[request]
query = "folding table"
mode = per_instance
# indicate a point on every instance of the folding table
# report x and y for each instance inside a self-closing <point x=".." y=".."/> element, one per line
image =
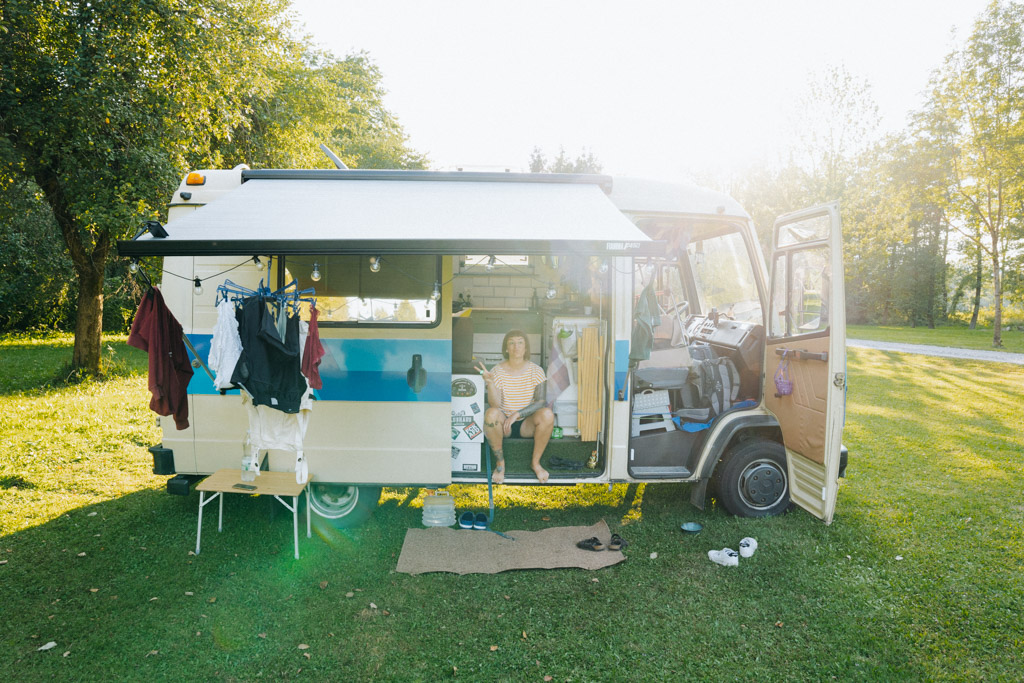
<point x="274" y="484"/>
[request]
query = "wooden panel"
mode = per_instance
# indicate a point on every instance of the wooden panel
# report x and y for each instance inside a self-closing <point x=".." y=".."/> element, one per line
<point x="591" y="369"/>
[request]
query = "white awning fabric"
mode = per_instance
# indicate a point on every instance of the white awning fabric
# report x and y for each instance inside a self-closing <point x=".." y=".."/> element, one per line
<point x="416" y="213"/>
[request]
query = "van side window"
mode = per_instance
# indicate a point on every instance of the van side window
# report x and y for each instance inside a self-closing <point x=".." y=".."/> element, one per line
<point x="360" y="290"/>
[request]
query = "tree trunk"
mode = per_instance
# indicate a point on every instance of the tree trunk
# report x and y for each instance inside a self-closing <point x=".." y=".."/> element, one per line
<point x="88" y="252"/>
<point x="977" y="290"/>
<point x="89" y="321"/>
<point x="997" y="293"/>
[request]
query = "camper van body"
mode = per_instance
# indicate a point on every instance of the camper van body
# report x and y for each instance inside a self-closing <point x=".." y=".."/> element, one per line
<point x="587" y="246"/>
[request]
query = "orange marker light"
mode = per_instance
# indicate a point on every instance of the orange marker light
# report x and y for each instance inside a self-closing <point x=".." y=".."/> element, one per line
<point x="194" y="178"/>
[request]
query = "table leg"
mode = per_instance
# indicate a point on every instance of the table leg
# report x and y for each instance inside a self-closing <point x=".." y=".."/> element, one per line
<point x="295" y="523"/>
<point x="199" y="531"/>
<point x="309" y="516"/>
<point x="220" y="515"/>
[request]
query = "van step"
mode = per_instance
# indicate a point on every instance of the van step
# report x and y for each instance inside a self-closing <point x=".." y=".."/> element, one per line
<point x="660" y="472"/>
<point x="181" y="484"/>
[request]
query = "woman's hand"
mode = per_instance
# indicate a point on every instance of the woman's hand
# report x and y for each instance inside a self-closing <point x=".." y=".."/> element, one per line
<point x="509" y="421"/>
<point x="487" y="375"/>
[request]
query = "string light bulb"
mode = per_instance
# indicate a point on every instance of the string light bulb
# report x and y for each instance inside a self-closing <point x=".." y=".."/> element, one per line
<point x="551" y="292"/>
<point x="490" y="264"/>
<point x="375" y="264"/>
<point x="315" y="275"/>
<point x="133" y="267"/>
<point x="436" y="294"/>
<point x="198" y="284"/>
<point x="258" y="262"/>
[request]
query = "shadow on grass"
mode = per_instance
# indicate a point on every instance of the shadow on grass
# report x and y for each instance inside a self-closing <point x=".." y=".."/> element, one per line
<point x="116" y="587"/>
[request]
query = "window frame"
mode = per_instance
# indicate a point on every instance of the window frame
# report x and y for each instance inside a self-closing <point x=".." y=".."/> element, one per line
<point x="281" y="263"/>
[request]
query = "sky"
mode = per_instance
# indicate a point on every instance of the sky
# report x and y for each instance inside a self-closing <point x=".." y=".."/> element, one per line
<point x="656" y="89"/>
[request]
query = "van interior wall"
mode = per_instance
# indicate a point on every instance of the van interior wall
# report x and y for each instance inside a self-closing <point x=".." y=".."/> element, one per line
<point x="508" y="287"/>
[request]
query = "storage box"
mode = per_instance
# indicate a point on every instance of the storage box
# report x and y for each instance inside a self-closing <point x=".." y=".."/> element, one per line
<point x="567" y="412"/>
<point x="466" y="457"/>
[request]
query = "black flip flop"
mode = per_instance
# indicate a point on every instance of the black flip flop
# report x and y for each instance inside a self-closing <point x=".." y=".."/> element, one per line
<point x="592" y="543"/>
<point x="617" y="543"/>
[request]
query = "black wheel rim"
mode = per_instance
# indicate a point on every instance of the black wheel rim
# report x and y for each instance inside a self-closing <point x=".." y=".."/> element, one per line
<point x="762" y="484"/>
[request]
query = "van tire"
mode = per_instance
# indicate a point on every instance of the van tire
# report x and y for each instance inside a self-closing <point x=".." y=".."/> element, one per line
<point x="343" y="505"/>
<point x="753" y="480"/>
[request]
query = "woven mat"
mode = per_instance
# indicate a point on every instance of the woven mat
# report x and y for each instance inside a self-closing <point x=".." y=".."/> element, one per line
<point x="466" y="551"/>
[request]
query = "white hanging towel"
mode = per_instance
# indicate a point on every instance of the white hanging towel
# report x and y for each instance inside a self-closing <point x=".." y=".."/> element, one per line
<point x="226" y="346"/>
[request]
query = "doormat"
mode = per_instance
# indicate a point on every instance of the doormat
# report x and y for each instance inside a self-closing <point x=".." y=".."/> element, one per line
<point x="467" y="551"/>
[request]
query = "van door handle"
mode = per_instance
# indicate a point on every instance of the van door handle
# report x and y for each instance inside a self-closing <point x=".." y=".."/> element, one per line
<point x="416" y="376"/>
<point x="797" y="354"/>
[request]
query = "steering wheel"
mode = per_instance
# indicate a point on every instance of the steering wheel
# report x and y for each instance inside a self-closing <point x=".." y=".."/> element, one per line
<point x="680" y="309"/>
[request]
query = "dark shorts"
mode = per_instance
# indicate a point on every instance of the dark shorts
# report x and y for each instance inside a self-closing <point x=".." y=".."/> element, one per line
<point x="514" y="434"/>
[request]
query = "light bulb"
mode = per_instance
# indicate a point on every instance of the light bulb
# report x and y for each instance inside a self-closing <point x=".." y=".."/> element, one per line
<point x="375" y="264"/>
<point x="133" y="267"/>
<point x="258" y="262"/>
<point x="198" y="291"/>
<point x="551" y="292"/>
<point x="603" y="268"/>
<point x="436" y="294"/>
<point x="315" y="275"/>
<point x="490" y="264"/>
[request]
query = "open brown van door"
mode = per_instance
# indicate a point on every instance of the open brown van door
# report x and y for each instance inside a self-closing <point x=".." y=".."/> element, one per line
<point x="805" y="353"/>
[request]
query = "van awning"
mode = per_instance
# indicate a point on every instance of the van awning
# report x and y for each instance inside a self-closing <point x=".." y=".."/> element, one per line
<point x="408" y="212"/>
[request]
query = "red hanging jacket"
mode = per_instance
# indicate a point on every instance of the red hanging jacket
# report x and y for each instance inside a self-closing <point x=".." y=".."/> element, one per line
<point x="157" y="332"/>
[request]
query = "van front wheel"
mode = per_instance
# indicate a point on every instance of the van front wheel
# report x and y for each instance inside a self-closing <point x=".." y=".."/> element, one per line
<point x="753" y="481"/>
<point x="343" y="505"/>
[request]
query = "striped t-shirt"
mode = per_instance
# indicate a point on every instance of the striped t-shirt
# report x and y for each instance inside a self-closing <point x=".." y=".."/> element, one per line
<point x="517" y="390"/>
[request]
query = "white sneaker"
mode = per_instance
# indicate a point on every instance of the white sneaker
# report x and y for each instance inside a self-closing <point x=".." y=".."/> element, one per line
<point x="747" y="546"/>
<point x="727" y="557"/>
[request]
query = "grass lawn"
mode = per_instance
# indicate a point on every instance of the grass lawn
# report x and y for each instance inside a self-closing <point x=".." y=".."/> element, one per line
<point x="920" y="577"/>
<point x="954" y="335"/>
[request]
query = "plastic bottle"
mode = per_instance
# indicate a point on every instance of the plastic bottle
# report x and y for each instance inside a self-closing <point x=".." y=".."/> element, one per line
<point x="249" y="464"/>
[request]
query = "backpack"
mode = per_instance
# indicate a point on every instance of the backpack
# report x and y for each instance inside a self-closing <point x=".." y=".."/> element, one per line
<point x="716" y="382"/>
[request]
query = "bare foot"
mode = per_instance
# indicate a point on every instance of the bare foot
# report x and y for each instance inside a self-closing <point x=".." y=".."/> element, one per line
<point x="542" y="474"/>
<point x="499" y="476"/>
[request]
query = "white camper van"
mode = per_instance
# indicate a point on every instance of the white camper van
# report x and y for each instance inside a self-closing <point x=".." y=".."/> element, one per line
<point x="679" y="359"/>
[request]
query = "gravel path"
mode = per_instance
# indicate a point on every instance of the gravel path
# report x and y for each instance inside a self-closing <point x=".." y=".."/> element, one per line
<point x="944" y="351"/>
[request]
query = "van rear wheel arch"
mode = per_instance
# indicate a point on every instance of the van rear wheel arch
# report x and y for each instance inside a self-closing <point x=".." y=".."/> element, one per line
<point x="343" y="505"/>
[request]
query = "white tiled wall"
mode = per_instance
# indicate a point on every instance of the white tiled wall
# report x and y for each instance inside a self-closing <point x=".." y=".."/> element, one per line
<point x="502" y="291"/>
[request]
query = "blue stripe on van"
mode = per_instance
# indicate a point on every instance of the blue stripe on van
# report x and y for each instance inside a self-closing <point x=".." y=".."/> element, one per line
<point x="621" y="369"/>
<point x="365" y="369"/>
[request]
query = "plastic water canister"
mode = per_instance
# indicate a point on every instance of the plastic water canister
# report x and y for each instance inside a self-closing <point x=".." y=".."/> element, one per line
<point x="439" y="509"/>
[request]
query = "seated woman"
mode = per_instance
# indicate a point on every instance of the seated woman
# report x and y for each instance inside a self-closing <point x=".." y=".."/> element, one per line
<point x="516" y="403"/>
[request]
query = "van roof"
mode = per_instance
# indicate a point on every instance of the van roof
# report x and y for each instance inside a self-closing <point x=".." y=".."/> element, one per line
<point x="386" y="212"/>
<point x="643" y="195"/>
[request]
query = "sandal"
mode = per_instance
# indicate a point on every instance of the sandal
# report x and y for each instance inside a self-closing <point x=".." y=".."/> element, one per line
<point x="592" y="543"/>
<point x="618" y="543"/>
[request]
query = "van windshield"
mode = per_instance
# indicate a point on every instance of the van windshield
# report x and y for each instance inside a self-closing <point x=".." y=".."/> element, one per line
<point x="723" y="273"/>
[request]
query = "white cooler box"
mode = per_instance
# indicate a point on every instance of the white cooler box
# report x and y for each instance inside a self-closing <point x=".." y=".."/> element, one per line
<point x="467" y="422"/>
<point x="466" y="457"/>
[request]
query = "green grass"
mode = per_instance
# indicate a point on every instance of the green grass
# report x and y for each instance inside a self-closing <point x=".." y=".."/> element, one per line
<point x="934" y="478"/>
<point x="954" y="335"/>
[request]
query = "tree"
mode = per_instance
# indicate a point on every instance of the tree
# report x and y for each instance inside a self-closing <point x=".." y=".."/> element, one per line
<point x="977" y="109"/>
<point x="836" y="120"/>
<point x="103" y="106"/>
<point x="585" y="162"/>
<point x="102" y="103"/>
